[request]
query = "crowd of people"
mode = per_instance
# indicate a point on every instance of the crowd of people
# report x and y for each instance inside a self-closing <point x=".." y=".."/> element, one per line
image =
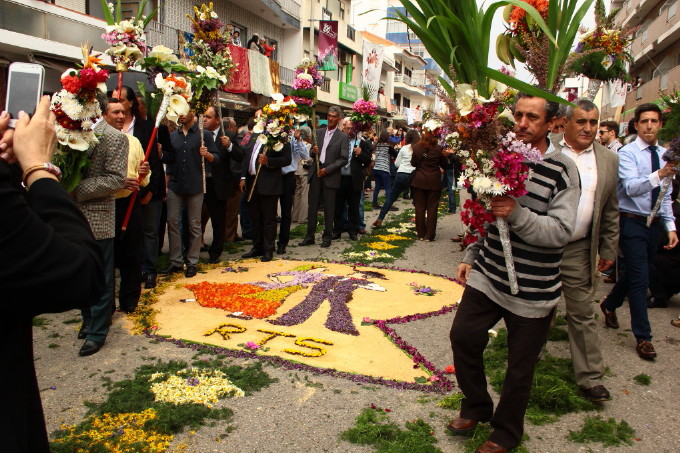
<point x="585" y="213"/>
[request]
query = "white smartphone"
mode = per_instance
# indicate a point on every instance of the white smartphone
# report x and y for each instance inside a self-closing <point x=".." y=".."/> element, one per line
<point x="24" y="88"/>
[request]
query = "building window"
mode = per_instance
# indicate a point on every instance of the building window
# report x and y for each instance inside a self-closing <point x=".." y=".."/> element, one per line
<point x="408" y="72"/>
<point x="407" y="102"/>
<point x="242" y="32"/>
<point x="671" y="11"/>
<point x="397" y="64"/>
<point x="326" y="15"/>
<point x="397" y="99"/>
<point x="342" y="11"/>
<point x="351" y="33"/>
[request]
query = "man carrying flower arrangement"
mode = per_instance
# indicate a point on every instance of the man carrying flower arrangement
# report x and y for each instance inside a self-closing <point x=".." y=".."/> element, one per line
<point x="541" y="223"/>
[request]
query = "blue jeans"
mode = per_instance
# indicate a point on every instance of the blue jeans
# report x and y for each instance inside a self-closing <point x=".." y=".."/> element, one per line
<point x="400" y="185"/>
<point x="638" y="244"/>
<point x="362" y="223"/>
<point x="151" y="218"/>
<point x="447" y="182"/>
<point x="382" y="181"/>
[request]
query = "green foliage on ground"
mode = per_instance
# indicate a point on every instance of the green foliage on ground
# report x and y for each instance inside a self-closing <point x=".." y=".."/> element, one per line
<point x="643" y="379"/>
<point x="480" y="434"/>
<point x="452" y="402"/>
<point x="374" y="427"/>
<point x="607" y="432"/>
<point x="39" y="322"/>
<point x="555" y="334"/>
<point x="554" y="391"/>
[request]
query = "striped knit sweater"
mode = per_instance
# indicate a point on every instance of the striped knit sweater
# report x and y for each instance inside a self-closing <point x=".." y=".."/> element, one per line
<point x="540" y="226"/>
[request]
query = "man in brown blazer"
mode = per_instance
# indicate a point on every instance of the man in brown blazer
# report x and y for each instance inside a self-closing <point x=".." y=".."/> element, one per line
<point x="95" y="197"/>
<point x="596" y="233"/>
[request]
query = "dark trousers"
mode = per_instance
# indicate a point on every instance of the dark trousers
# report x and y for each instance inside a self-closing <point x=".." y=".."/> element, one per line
<point x="316" y="193"/>
<point x="98" y="316"/>
<point x="151" y="218"/>
<point x="425" y="202"/>
<point x="400" y="185"/>
<point x="638" y="244"/>
<point x="218" y="217"/>
<point x="128" y="251"/>
<point x="262" y="210"/>
<point x="286" y="203"/>
<point x="231" y="228"/>
<point x="469" y="336"/>
<point x="448" y="181"/>
<point x="382" y="181"/>
<point x="246" y="221"/>
<point x="347" y="198"/>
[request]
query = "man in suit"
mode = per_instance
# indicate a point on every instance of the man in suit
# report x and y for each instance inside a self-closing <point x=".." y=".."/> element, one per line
<point x="332" y="156"/>
<point x="266" y="193"/>
<point x="596" y="233"/>
<point x="233" y="169"/>
<point x="300" y="151"/>
<point x="95" y="197"/>
<point x="351" y="184"/>
<point x="641" y="169"/>
<point x="219" y="182"/>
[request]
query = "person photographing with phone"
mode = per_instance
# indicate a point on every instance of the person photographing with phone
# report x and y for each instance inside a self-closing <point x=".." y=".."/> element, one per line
<point x="51" y="263"/>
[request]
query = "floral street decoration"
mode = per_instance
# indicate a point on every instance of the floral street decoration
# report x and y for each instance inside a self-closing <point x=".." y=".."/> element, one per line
<point x="275" y="125"/>
<point x="211" y="59"/>
<point x="307" y="80"/>
<point x="160" y="60"/>
<point x="199" y="386"/>
<point x="602" y="53"/>
<point x="76" y="109"/>
<point x="122" y="432"/>
<point x="422" y="290"/>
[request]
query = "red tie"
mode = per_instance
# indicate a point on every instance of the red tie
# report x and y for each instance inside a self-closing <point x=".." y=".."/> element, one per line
<point x="246" y="139"/>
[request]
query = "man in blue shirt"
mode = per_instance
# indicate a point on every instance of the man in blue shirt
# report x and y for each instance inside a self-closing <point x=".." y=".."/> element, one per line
<point x="640" y="175"/>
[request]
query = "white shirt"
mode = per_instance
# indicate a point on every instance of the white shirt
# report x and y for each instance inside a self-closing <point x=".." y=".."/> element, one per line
<point x="326" y="141"/>
<point x="253" y="158"/>
<point x="587" y="169"/>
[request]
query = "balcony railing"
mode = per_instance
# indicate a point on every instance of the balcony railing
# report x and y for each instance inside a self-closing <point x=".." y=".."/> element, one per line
<point x="326" y="86"/>
<point x="286" y="75"/>
<point x="161" y="34"/>
<point x="403" y="78"/>
<point x="291" y="7"/>
<point x="655" y="29"/>
<point x="351" y="33"/>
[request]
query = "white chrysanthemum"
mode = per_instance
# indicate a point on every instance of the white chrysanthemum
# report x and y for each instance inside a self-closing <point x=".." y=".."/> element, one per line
<point x="497" y="188"/>
<point x="305" y="76"/>
<point x="163" y="54"/>
<point x="481" y="185"/>
<point x="431" y="125"/>
<point x="200" y="69"/>
<point x="211" y="72"/>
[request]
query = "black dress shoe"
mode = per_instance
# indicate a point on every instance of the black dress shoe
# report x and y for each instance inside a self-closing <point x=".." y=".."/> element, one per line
<point x="238" y="239"/>
<point x="326" y="244"/>
<point x="353" y="237"/>
<point x="90" y="347"/>
<point x="596" y="394"/>
<point x="653" y="302"/>
<point x="82" y="333"/>
<point x="172" y="269"/>
<point x="190" y="272"/>
<point x="281" y="249"/>
<point x="150" y="281"/>
<point x="336" y="235"/>
<point x="267" y="256"/>
<point x="362" y="231"/>
<point x="252" y="254"/>
<point x="214" y="260"/>
<point x="307" y="241"/>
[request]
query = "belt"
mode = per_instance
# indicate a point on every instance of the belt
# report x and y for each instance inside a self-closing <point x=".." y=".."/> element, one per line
<point x="638" y="217"/>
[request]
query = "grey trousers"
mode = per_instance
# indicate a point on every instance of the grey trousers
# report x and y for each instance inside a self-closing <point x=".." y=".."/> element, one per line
<point x="578" y="288"/>
<point x="193" y="203"/>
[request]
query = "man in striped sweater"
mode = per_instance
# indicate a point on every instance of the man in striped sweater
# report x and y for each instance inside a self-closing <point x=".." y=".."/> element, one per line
<point x="541" y="224"/>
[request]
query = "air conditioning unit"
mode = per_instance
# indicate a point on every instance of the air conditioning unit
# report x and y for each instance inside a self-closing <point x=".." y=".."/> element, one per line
<point x="345" y="57"/>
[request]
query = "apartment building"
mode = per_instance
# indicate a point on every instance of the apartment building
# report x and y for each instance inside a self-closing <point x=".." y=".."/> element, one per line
<point x="655" y="50"/>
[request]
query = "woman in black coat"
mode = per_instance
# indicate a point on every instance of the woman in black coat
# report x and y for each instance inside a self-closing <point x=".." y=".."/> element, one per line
<point x="50" y="263"/>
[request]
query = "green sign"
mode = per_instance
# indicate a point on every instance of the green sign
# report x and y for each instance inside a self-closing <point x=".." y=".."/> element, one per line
<point x="348" y="92"/>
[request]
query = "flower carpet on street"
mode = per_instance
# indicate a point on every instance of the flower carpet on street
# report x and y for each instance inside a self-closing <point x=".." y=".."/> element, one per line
<point x="330" y="318"/>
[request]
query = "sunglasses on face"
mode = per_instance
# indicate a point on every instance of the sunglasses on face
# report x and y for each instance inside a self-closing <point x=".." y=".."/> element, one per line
<point x="601" y="132"/>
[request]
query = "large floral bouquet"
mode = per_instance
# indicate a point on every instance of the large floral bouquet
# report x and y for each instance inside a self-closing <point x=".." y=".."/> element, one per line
<point x="276" y="122"/>
<point x="307" y="80"/>
<point x="364" y="115"/>
<point x="210" y="58"/>
<point x="178" y="92"/>
<point x="76" y="109"/>
<point x="126" y="37"/>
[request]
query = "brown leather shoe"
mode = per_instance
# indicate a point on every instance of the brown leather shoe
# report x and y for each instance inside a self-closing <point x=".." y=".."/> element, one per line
<point x="596" y="394"/>
<point x="460" y="425"/>
<point x="675" y="323"/>
<point x="491" y="447"/>
<point x="645" y="350"/>
<point x="610" y="319"/>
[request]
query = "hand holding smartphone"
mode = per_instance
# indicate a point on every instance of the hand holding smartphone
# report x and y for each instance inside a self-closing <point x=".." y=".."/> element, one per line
<point x="24" y="88"/>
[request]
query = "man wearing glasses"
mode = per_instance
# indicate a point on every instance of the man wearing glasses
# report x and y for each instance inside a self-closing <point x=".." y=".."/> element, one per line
<point x="607" y="135"/>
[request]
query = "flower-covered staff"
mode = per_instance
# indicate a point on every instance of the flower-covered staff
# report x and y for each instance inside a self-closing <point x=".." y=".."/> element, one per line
<point x="275" y="127"/>
<point x="176" y="91"/>
<point x="76" y="110"/>
<point x="126" y="37"/>
<point x="160" y="61"/>
<point x="307" y="80"/>
<point x="671" y="155"/>
<point x="364" y="113"/>
<point x="211" y="61"/>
